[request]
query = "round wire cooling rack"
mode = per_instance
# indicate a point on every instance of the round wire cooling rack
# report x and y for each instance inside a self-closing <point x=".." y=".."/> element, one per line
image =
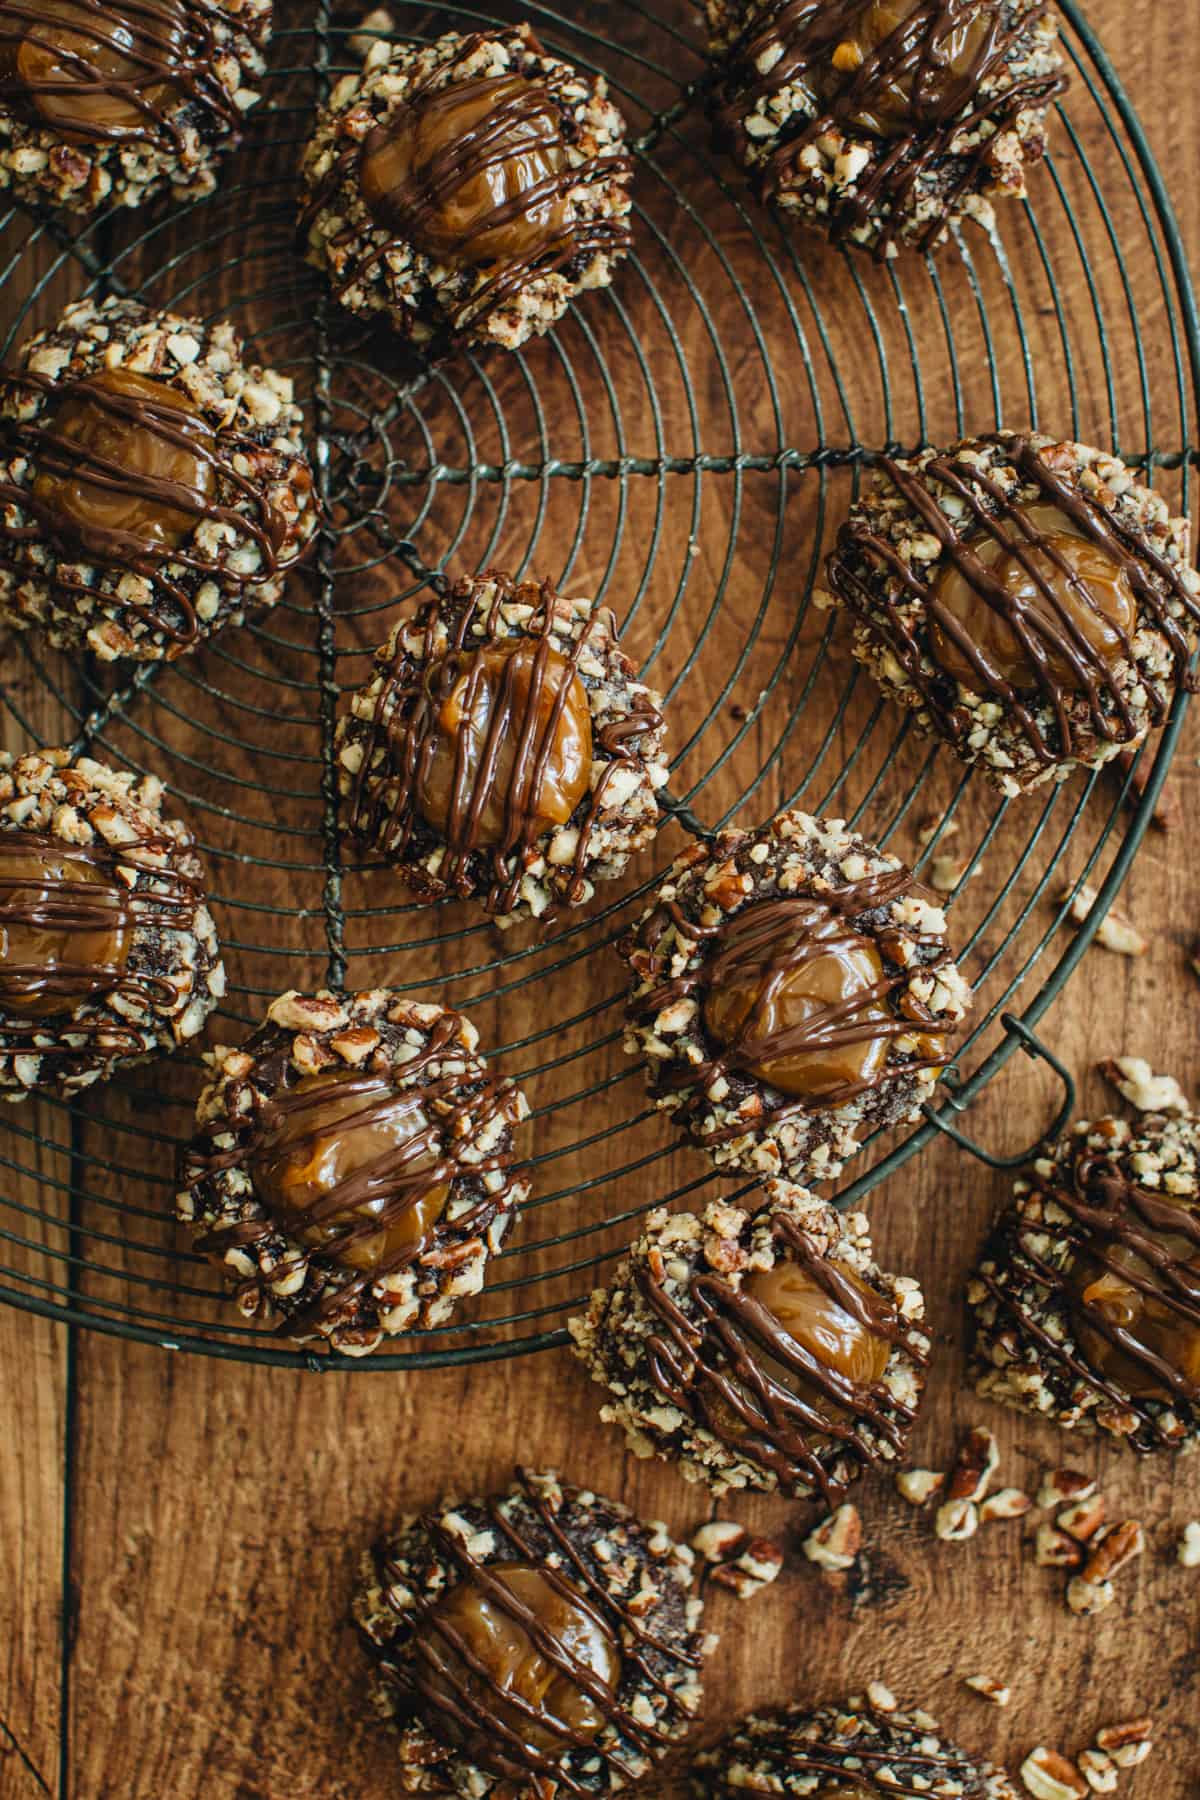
<point x="681" y="448"/>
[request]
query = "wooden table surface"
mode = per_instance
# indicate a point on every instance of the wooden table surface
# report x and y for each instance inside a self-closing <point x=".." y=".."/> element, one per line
<point x="178" y="1535"/>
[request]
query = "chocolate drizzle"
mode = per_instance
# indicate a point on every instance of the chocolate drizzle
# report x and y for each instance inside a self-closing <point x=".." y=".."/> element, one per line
<point x="481" y="1708"/>
<point x="913" y="1772"/>
<point x="916" y="92"/>
<point x="98" y="906"/>
<point x="372" y="1200"/>
<point x="103" y="73"/>
<point x="517" y="237"/>
<point x="407" y="723"/>
<point x="759" y="948"/>
<point x="712" y="1368"/>
<point x="1068" y="665"/>
<point x="117" y="518"/>
<point x="1124" y="1228"/>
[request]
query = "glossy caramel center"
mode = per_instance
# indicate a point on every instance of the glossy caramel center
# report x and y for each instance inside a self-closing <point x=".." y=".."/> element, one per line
<point x="900" y="88"/>
<point x="93" y="69"/>
<point x="511" y="751"/>
<point x="1108" y="1300"/>
<point x="124" y="463"/>
<point x="470" y="1626"/>
<point x="786" y="991"/>
<point x="65" y="926"/>
<point x="343" y="1161"/>
<point x="471" y="173"/>
<point x="1092" y="599"/>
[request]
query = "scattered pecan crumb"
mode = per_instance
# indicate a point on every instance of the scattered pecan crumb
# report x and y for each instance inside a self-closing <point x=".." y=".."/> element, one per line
<point x="1005" y="1503"/>
<point x="837" y="1540"/>
<point x="1049" y="1776"/>
<point x="1137" y="1083"/>
<point x="1098" y="1770"/>
<point x="1055" y="1549"/>
<point x="1188" y="1549"/>
<point x="919" y="1485"/>
<point x="977" y="1461"/>
<point x="995" y="1691"/>
<point x="1127" y="1734"/>
<point x="956" y="1521"/>
<point x="756" y="1567"/>
<point x="881" y="1697"/>
<point x="1082" y="1520"/>
<point x="1062" y="1485"/>
<point x="1115" y="931"/>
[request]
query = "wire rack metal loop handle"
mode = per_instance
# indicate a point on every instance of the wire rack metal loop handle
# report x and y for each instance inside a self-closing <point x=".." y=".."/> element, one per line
<point x="1034" y="1048"/>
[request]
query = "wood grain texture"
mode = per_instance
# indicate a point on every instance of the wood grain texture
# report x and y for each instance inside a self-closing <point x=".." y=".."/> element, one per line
<point x="216" y="1511"/>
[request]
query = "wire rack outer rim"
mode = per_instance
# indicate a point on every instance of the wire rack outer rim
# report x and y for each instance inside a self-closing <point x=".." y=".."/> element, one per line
<point x="1020" y="1035"/>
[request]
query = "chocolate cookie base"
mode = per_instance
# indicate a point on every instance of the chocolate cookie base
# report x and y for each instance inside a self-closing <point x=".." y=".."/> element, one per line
<point x="621" y="1340"/>
<point x="431" y="302"/>
<point x="1025" y="1352"/>
<point x="633" y="1573"/>
<point x="891" y="626"/>
<point x="986" y="153"/>
<point x="796" y="1751"/>
<point x="116" y="611"/>
<point x="741" y="1120"/>
<point x="274" y="1276"/>
<point x="615" y="818"/>
<point x="37" y="166"/>
<point x="173" y="976"/>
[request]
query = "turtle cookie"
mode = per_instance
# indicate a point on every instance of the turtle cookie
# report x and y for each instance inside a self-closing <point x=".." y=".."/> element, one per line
<point x="543" y="1641"/>
<point x="794" y="990"/>
<point x="154" y="486"/>
<point x="1026" y="599"/>
<point x="860" y="1751"/>
<point x="108" y="954"/>
<point x="467" y="190"/>
<point x="111" y="101"/>
<point x="881" y="122"/>
<point x="352" y="1170"/>
<point x="503" y="750"/>
<point x="764" y="1351"/>
<point x="1086" y="1302"/>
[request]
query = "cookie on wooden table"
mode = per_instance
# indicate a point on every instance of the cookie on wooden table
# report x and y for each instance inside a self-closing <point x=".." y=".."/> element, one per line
<point x="794" y="991"/>
<point x="542" y="1641"/>
<point x="1086" y="1302"/>
<point x="1030" y="601"/>
<point x="859" y="1751"/>
<point x="352" y="1170"/>
<point x="108" y="953"/>
<point x="467" y="190"/>
<point x="154" y="486"/>
<point x="763" y="1350"/>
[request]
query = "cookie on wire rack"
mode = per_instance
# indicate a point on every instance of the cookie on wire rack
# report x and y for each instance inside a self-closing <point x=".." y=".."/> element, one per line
<point x="1028" y="600"/>
<point x="794" y="989"/>
<point x="467" y="190"/>
<point x="112" y="101"/>
<point x="352" y="1170"/>
<point x="539" y="1642"/>
<point x="108" y="953"/>
<point x="1086" y="1301"/>
<point x="881" y="124"/>
<point x="764" y="1350"/>
<point x="503" y="750"/>
<point x="154" y="486"/>
<point x="864" y="1750"/>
